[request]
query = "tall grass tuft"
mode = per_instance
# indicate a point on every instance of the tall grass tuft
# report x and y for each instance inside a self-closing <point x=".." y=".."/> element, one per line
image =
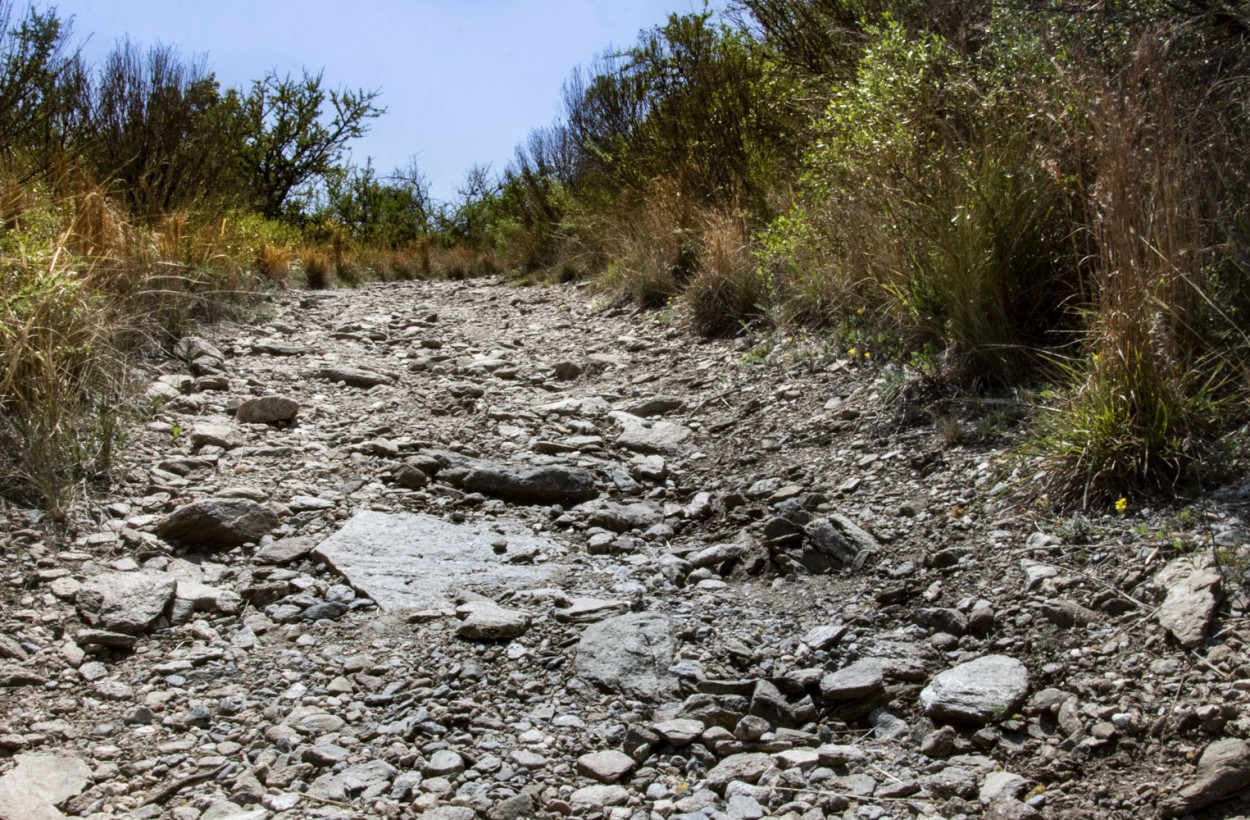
<point x="651" y="240"/>
<point x="1144" y="398"/>
<point x="726" y="293"/>
<point x="62" y="376"/>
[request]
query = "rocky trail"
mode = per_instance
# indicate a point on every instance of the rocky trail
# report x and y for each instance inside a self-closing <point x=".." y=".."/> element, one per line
<point x="460" y="550"/>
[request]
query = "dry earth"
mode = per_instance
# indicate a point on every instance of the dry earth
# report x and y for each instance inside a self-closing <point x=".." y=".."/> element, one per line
<point x="505" y="553"/>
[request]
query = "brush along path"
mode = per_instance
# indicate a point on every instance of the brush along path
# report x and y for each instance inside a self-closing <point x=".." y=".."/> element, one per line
<point x="688" y="580"/>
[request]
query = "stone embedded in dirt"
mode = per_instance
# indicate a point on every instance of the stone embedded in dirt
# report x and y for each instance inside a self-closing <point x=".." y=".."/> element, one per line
<point x="39" y="783"/>
<point x="655" y="406"/>
<point x="592" y="799"/>
<point x="494" y="624"/>
<point x="531" y="485"/>
<point x="284" y="550"/>
<point x="606" y="766"/>
<point x="859" y="680"/>
<point x="567" y="370"/>
<point x="128" y="602"/>
<point x="680" y="731"/>
<point x="278" y="347"/>
<point x="629" y="655"/>
<point x="1193" y="593"/>
<point x="589" y="610"/>
<point x="267" y="410"/>
<point x="987" y="689"/>
<point x="407" y="561"/>
<point x="1223" y="771"/>
<point x="998" y="785"/>
<point x="1067" y="614"/>
<point x="354" y="376"/>
<point x="832" y="543"/>
<point x="747" y="767"/>
<point x="13" y="676"/>
<point x="641" y="436"/>
<point x="1036" y="572"/>
<point x="210" y="434"/>
<point x="218" y="522"/>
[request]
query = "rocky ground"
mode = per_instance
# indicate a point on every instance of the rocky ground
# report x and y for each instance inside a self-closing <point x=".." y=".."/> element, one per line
<point x="458" y="550"/>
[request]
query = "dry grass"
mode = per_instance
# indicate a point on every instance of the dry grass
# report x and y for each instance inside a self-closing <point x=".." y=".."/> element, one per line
<point x="727" y="292"/>
<point x="651" y="240"/>
<point x="81" y="291"/>
<point x="1144" y="398"/>
<point x="318" y="269"/>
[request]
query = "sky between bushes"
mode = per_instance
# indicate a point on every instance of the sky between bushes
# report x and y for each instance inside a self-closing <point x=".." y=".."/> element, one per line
<point x="463" y="81"/>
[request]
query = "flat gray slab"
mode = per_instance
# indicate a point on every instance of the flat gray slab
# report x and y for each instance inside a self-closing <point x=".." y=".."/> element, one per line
<point x="410" y="561"/>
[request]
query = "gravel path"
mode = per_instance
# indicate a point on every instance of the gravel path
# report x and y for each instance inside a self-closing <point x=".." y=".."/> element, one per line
<point x="459" y="550"/>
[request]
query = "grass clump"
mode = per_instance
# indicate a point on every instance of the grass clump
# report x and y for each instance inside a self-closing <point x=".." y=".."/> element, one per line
<point x="62" y="376"/>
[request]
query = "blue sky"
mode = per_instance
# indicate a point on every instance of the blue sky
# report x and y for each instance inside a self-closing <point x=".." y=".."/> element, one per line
<point x="463" y="81"/>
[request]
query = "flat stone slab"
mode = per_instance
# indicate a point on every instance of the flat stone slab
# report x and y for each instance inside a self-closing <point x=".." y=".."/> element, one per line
<point x="411" y="561"/>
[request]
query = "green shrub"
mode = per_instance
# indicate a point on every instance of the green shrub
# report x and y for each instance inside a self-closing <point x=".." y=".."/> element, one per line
<point x="926" y="200"/>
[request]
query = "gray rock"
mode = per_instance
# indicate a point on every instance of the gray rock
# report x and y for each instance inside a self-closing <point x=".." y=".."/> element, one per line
<point x="284" y="550"/>
<point x="655" y="406"/>
<point x="218" y="522"/>
<point x="267" y="410"/>
<point x="191" y="348"/>
<point x="606" y="767"/>
<point x="494" y="624"/>
<point x="597" y="798"/>
<point x="1067" y="614"/>
<point x="832" y="543"/>
<point x="519" y="807"/>
<point x="128" y="602"/>
<point x="998" y="785"/>
<point x="408" y="561"/>
<point x="209" y="434"/>
<point x="747" y="767"/>
<point x="444" y="762"/>
<point x="1223" y="771"/>
<point x="629" y="655"/>
<point x="278" y="347"/>
<point x="532" y="485"/>
<point x="39" y="783"/>
<point x="1193" y="594"/>
<point x="861" y="679"/>
<point x="978" y="692"/>
<point x="680" y="731"/>
<point x="590" y="610"/>
<point x="449" y="813"/>
<point x="718" y="554"/>
<point x="660" y="437"/>
<point x="354" y="376"/>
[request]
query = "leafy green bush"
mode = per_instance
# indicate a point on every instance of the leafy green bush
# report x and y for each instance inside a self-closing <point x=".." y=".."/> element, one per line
<point x="926" y="199"/>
